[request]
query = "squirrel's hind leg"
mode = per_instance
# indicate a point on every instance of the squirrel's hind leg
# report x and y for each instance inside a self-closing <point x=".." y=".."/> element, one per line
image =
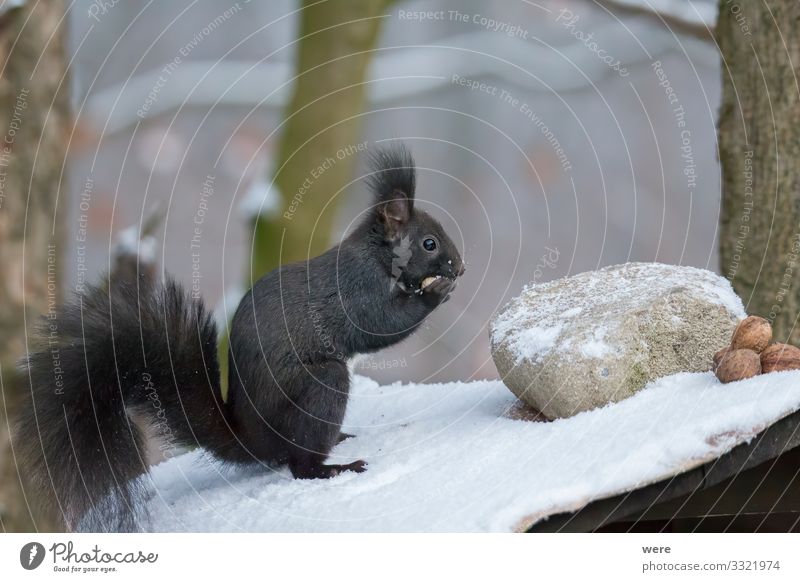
<point x="310" y="468"/>
<point x="317" y="427"/>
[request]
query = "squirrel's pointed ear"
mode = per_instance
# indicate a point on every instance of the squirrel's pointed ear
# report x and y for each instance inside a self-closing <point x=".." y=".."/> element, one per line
<point x="393" y="181"/>
<point x="394" y="214"/>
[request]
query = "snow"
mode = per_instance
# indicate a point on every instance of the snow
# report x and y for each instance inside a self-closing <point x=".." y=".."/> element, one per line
<point x="445" y="457"/>
<point x="596" y="347"/>
<point x="532" y="322"/>
<point x="261" y="199"/>
<point x="128" y="243"/>
<point x="534" y="343"/>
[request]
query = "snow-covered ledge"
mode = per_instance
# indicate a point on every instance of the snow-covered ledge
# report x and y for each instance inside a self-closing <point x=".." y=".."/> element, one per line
<point x="452" y="457"/>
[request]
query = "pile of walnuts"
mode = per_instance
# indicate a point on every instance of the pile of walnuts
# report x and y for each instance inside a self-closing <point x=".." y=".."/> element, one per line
<point x="751" y="353"/>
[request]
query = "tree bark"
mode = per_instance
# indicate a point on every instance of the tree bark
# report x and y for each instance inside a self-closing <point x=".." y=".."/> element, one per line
<point x="759" y="151"/>
<point x="34" y="119"/>
<point x="323" y="121"/>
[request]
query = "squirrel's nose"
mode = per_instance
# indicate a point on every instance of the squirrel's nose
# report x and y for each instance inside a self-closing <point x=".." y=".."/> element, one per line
<point x="462" y="269"/>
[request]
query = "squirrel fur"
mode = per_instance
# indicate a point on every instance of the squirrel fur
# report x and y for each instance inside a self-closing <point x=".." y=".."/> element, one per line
<point x="139" y="358"/>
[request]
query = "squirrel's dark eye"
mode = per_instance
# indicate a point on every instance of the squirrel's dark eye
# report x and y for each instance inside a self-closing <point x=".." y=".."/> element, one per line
<point x="429" y="245"/>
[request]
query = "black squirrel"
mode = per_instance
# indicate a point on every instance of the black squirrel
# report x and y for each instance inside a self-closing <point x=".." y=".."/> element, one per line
<point x="136" y="357"/>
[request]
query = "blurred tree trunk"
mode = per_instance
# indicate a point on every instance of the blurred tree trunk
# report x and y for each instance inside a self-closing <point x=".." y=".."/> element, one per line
<point x="759" y="150"/>
<point x="322" y="119"/>
<point x="34" y="117"/>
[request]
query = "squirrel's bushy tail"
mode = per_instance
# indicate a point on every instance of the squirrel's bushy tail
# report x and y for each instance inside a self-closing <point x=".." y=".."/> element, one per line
<point x="120" y="362"/>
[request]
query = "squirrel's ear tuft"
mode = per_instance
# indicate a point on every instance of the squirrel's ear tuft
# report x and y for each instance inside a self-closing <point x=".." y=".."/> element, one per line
<point x="392" y="169"/>
<point x="392" y="181"/>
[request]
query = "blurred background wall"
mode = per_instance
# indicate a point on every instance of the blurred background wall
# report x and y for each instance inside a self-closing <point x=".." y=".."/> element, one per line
<point x="545" y="151"/>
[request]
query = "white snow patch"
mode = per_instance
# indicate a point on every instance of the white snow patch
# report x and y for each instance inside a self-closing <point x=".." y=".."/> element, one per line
<point x="570" y="313"/>
<point x="261" y="199"/>
<point x="724" y="295"/>
<point x="542" y="308"/>
<point x="128" y="243"/>
<point x="443" y="458"/>
<point x="596" y="347"/>
<point x="534" y="343"/>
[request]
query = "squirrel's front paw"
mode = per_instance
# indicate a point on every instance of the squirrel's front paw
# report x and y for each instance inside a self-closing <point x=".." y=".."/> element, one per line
<point x="438" y="291"/>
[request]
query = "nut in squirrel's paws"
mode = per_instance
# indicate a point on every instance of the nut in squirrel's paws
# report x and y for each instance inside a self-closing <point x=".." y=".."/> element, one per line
<point x="427" y="281"/>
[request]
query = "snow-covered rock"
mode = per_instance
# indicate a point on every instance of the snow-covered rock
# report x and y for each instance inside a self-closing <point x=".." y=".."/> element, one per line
<point x="451" y="457"/>
<point x="580" y="342"/>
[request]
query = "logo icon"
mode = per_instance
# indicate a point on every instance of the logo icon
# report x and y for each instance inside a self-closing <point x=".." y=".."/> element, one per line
<point x="31" y="555"/>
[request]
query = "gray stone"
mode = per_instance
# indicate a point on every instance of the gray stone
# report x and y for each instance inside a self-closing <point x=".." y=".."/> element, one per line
<point x="598" y="337"/>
